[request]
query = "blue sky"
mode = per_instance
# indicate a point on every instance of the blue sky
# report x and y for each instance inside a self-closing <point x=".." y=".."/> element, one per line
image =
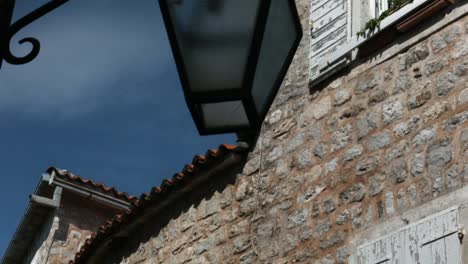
<point x="102" y="100"/>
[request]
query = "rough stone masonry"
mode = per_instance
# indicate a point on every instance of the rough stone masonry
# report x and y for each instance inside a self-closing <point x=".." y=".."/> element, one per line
<point x="386" y="137"/>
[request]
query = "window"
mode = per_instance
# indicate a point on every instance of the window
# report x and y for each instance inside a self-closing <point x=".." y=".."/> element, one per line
<point x="336" y="23"/>
<point x="431" y="240"/>
<point x="380" y="6"/>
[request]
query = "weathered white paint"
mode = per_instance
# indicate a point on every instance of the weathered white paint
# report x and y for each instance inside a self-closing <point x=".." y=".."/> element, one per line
<point x="453" y="251"/>
<point x="330" y="30"/>
<point x="432" y="240"/>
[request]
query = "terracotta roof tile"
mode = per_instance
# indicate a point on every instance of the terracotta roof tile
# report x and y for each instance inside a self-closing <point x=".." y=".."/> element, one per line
<point x="68" y="176"/>
<point x="157" y="194"/>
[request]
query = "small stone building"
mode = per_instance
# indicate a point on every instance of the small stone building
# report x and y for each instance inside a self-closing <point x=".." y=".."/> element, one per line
<point x="63" y="212"/>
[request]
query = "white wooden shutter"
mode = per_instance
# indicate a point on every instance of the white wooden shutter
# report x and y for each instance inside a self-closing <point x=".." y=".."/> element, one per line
<point x="378" y="252"/>
<point x="433" y="240"/>
<point x="438" y="240"/>
<point x="330" y="30"/>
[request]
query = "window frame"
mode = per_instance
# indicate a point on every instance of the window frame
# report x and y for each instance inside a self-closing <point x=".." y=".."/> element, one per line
<point x="347" y="53"/>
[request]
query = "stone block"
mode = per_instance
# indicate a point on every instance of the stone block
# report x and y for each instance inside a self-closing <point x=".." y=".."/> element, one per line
<point x="403" y="83"/>
<point x="326" y="260"/>
<point x="353" y="152"/>
<point x="342" y="255"/>
<point x="248" y="206"/>
<point x="283" y="130"/>
<point x="366" y="123"/>
<point x="248" y="258"/>
<point x="241" y="243"/>
<point x="329" y="205"/>
<point x="460" y="49"/>
<point x="342" y="96"/>
<point x="354" y="193"/>
<point x="417" y="164"/>
<point x="275" y="154"/>
<point x="295" y="142"/>
<point x="392" y="111"/>
<point x="398" y="172"/>
<point x="243" y="189"/>
<point x="398" y="150"/>
<point x="377" y="97"/>
<point x="412" y="195"/>
<point x="379" y="140"/>
<point x="453" y="178"/>
<point x="463" y="97"/>
<point x="321" y="229"/>
<point x="320" y="108"/>
<point x="401" y="200"/>
<point x="252" y="165"/>
<point x="297" y="218"/>
<point x="315" y="131"/>
<point x="434" y="66"/>
<point x="439" y="153"/>
<point x="377" y="184"/>
<point x="419" y="96"/>
<point x="304" y="159"/>
<point x="352" y="111"/>
<point x="239" y="228"/>
<point x="434" y="111"/>
<point x="389" y="204"/>
<point x="341" y="137"/>
<point x="275" y="117"/>
<point x="331" y="166"/>
<point x="321" y="150"/>
<point x="424" y="136"/>
<point x="445" y="82"/>
<point x="366" y="165"/>
<point x="334" y="239"/>
<point x="313" y="192"/>
<point x="455" y="121"/>
<point x="461" y="69"/>
<point x="343" y="217"/>
<point x="405" y="128"/>
<point x="356" y="219"/>
<point x="367" y="82"/>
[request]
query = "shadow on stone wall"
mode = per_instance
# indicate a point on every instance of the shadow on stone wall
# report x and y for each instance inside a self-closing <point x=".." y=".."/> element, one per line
<point x="122" y="247"/>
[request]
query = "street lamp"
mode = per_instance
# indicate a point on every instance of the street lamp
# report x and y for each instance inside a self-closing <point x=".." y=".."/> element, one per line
<point x="232" y="56"/>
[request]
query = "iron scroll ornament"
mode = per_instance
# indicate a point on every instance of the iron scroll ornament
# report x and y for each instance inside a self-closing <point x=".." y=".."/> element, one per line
<point x="8" y="30"/>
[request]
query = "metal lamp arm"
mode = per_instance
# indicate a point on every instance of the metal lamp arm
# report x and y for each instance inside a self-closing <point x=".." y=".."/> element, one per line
<point x="6" y="53"/>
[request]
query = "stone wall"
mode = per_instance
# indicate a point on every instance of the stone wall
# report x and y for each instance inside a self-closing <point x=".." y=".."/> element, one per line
<point x="67" y="228"/>
<point x="386" y="137"/>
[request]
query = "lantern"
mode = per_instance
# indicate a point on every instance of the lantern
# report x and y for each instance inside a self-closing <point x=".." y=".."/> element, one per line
<point x="232" y="56"/>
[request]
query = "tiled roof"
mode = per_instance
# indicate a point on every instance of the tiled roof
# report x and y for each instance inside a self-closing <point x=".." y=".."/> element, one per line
<point x="155" y="196"/>
<point x="68" y="176"/>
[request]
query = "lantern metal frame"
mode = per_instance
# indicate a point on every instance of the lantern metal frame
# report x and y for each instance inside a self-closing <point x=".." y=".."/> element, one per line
<point x="243" y="93"/>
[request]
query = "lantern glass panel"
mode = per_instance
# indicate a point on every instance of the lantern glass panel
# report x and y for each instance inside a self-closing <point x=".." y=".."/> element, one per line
<point x="214" y="38"/>
<point x="278" y="41"/>
<point x="225" y="114"/>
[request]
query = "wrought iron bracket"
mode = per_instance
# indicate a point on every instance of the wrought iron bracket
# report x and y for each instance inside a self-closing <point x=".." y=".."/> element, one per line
<point x="8" y="30"/>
